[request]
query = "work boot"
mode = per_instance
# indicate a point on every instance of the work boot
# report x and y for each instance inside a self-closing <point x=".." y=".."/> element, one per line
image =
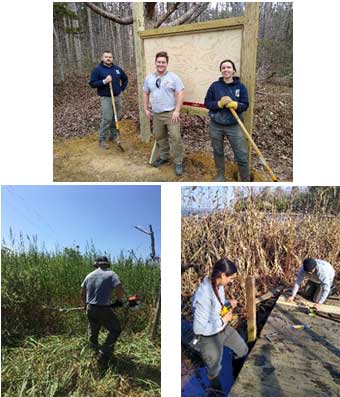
<point x="103" y="145"/>
<point x="244" y="173"/>
<point x="219" y="176"/>
<point x="113" y="138"/>
<point x="160" y="162"/>
<point x="179" y="169"/>
<point x="220" y="169"/>
<point x="102" y="363"/>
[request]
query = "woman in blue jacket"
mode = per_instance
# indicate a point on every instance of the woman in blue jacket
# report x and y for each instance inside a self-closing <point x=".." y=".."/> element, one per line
<point x="211" y="323"/>
<point x="224" y="94"/>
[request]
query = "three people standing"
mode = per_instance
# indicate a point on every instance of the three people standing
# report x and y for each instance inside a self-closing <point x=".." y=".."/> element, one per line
<point x="166" y="90"/>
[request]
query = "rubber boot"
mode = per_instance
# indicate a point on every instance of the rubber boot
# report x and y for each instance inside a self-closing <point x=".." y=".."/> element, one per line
<point x="244" y="173"/>
<point x="237" y="366"/>
<point x="220" y="169"/>
<point x="216" y="388"/>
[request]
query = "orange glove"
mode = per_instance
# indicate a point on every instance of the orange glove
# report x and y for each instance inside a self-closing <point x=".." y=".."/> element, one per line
<point x="232" y="105"/>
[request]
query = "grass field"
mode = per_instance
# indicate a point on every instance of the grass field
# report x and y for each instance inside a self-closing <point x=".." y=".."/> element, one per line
<point x="45" y="353"/>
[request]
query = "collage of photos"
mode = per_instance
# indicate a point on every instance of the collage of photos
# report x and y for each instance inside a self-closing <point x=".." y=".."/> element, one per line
<point x="171" y="146"/>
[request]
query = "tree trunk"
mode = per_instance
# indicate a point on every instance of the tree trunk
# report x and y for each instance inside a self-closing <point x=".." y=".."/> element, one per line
<point x="58" y="52"/>
<point x="67" y="42"/>
<point x="76" y="39"/>
<point x="89" y="19"/>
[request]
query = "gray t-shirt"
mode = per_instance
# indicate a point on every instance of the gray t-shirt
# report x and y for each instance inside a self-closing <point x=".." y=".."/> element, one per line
<point x="163" y="99"/>
<point x="99" y="285"/>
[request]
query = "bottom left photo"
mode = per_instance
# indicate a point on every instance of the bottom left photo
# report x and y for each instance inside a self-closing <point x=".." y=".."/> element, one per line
<point x="80" y="290"/>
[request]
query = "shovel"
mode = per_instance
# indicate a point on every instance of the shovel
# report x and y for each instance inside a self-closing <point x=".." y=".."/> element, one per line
<point x="257" y="150"/>
<point x="115" y="117"/>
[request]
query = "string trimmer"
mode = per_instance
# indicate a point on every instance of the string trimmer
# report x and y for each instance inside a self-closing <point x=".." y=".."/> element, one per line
<point x="133" y="302"/>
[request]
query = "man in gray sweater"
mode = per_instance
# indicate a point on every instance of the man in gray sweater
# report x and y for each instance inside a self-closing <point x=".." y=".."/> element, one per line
<point x="320" y="275"/>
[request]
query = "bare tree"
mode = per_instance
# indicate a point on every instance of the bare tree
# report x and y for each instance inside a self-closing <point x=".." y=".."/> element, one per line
<point x="152" y="19"/>
<point x="77" y="43"/>
<point x="89" y="18"/>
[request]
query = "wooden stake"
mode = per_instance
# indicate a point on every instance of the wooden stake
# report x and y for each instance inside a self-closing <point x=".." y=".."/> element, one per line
<point x="157" y="316"/>
<point x="154" y="153"/>
<point x="251" y="308"/>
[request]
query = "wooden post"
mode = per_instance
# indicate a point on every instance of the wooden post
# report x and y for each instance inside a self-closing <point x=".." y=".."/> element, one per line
<point x="248" y="62"/>
<point x="138" y="25"/>
<point x="251" y="308"/>
<point x="156" y="318"/>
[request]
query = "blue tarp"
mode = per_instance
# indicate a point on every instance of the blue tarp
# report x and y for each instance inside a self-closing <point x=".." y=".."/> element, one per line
<point x="198" y="384"/>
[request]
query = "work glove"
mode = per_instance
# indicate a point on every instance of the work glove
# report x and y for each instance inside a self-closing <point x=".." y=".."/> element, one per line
<point x="117" y="303"/>
<point x="223" y="101"/>
<point x="232" y="105"/>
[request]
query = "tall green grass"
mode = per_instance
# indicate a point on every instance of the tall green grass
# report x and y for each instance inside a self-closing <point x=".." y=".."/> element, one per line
<point x="32" y="280"/>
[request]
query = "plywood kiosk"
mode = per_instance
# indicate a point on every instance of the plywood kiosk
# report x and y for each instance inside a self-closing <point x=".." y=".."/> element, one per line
<point x="195" y="52"/>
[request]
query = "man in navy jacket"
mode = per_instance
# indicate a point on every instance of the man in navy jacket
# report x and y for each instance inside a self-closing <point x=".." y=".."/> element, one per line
<point x="101" y="76"/>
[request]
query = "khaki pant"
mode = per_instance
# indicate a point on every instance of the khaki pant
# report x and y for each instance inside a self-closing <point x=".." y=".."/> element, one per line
<point x="168" y="134"/>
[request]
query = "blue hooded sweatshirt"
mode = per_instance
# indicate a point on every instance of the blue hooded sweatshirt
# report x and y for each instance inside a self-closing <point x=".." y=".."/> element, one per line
<point x="236" y="91"/>
<point x="119" y="79"/>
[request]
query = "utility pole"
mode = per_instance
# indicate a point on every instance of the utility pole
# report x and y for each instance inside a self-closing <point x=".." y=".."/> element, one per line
<point x="157" y="313"/>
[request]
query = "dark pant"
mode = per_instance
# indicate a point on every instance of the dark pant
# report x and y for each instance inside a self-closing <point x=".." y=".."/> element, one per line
<point x="103" y="317"/>
<point x="312" y="291"/>
<point x="238" y="143"/>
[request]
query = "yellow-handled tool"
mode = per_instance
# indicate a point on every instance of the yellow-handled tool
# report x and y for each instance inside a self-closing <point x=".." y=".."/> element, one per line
<point x="257" y="150"/>
<point x="115" y="117"/>
<point x="225" y="309"/>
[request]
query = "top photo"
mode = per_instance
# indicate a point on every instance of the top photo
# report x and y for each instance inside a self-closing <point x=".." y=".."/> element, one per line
<point x="173" y="92"/>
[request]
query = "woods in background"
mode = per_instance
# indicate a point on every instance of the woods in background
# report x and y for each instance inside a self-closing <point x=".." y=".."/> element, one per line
<point x="82" y="31"/>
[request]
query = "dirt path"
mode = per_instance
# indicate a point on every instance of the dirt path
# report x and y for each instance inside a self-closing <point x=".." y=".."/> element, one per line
<point x="81" y="160"/>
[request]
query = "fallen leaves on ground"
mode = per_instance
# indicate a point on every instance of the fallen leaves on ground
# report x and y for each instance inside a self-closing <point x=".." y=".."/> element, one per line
<point x="77" y="114"/>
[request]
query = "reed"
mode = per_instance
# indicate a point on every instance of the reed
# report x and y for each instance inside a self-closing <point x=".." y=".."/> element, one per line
<point x="260" y="239"/>
<point x="32" y="280"/>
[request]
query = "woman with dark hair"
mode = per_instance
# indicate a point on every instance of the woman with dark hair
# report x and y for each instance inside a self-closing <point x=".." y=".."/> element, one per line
<point x="228" y="93"/>
<point x="211" y="324"/>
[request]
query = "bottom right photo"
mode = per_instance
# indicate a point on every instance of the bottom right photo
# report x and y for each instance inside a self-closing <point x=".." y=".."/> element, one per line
<point x="260" y="293"/>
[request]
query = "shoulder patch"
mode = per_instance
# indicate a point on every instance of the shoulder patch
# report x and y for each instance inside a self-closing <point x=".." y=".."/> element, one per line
<point x="117" y="71"/>
<point x="237" y="92"/>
